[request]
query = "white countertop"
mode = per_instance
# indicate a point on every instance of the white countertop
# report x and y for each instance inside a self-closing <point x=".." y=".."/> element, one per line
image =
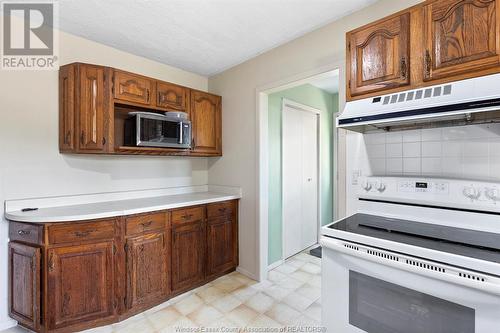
<point x="106" y="209"/>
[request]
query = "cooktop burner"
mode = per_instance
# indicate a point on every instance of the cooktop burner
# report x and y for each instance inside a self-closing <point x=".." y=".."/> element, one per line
<point x="470" y="243"/>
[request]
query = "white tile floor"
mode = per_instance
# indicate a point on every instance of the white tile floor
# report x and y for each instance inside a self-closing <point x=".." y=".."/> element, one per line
<point x="290" y="297"/>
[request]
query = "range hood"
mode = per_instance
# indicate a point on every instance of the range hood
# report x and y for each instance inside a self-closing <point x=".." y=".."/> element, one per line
<point x="463" y="102"/>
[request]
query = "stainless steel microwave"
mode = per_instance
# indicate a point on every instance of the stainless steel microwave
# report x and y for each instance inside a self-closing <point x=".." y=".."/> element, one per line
<point x="147" y="129"/>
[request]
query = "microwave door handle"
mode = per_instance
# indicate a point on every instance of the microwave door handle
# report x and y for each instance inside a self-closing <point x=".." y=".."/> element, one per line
<point x="181" y="133"/>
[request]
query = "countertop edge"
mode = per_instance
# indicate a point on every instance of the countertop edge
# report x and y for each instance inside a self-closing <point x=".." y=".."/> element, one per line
<point x="12" y="217"/>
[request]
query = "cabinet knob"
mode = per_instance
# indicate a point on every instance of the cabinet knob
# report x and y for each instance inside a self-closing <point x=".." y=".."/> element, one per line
<point x="24" y="232"/>
<point x="146" y="224"/>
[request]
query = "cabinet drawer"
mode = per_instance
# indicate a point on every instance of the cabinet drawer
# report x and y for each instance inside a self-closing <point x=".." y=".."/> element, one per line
<point x="220" y="209"/>
<point x="171" y="96"/>
<point x="146" y="222"/>
<point x="187" y="215"/>
<point x="26" y="233"/>
<point x="81" y="232"/>
<point x="133" y="88"/>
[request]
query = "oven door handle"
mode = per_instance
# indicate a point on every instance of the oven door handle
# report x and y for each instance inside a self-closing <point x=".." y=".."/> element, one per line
<point x="479" y="281"/>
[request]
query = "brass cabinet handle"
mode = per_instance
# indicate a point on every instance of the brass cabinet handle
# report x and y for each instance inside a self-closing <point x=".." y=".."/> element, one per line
<point x="147" y="95"/>
<point x="67" y="137"/>
<point x="51" y="262"/>
<point x="428" y="63"/>
<point x="103" y="141"/>
<point x="82" y="138"/>
<point x="222" y="210"/>
<point x="187" y="216"/>
<point x="24" y="232"/>
<point x="83" y="233"/>
<point x="146" y="224"/>
<point x="404" y="68"/>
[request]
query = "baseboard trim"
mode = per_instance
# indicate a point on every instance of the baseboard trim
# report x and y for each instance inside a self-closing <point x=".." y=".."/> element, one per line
<point x="275" y="264"/>
<point x="246" y="273"/>
<point x="7" y="324"/>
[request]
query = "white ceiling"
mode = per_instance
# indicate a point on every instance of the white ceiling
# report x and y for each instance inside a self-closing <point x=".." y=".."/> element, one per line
<point x="201" y="36"/>
<point x="328" y="81"/>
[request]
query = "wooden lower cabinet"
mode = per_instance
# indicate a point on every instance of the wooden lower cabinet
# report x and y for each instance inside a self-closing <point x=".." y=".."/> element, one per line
<point x="24" y="285"/>
<point x="188" y="255"/>
<point x="148" y="270"/>
<point x="67" y="277"/>
<point x="80" y="284"/>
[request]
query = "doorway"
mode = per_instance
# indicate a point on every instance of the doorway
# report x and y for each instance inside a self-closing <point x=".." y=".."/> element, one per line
<point x="300" y="174"/>
<point x="289" y="220"/>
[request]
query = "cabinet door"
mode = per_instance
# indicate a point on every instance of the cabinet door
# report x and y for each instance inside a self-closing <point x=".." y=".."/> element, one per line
<point x="222" y="245"/>
<point x="206" y="117"/>
<point x="24" y="285"/>
<point x="379" y="56"/>
<point x="67" y="108"/>
<point x="132" y="88"/>
<point x="80" y="284"/>
<point x="461" y="36"/>
<point x="148" y="269"/>
<point x="188" y="255"/>
<point x="93" y="109"/>
<point x="172" y="97"/>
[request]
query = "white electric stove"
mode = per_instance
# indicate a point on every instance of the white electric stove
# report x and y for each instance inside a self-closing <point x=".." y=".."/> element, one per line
<point x="419" y="256"/>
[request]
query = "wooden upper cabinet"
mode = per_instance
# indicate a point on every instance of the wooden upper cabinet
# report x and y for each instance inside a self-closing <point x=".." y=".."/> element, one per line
<point x="24" y="285"/>
<point x="132" y="88"/>
<point x="172" y="97"/>
<point x="379" y="56"/>
<point x="148" y="269"/>
<point x="93" y="110"/>
<point x="206" y="117"/>
<point x="461" y="36"/>
<point x="80" y="284"/>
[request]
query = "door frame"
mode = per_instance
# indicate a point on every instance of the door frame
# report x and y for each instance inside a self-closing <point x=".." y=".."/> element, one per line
<point x="288" y="103"/>
<point x="262" y="161"/>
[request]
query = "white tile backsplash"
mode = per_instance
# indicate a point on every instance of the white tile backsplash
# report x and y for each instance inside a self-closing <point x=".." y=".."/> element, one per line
<point x="412" y="149"/>
<point x="432" y="149"/>
<point x="393" y="150"/>
<point x="471" y="151"/>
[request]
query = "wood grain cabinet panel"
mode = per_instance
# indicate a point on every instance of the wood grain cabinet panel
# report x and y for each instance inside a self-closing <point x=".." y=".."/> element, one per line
<point x="24" y="284"/>
<point x="93" y="113"/>
<point x="172" y="97"/>
<point x="133" y="88"/>
<point x="379" y="56"/>
<point x="188" y="255"/>
<point x="80" y="284"/>
<point x="67" y="108"/>
<point x="221" y="245"/>
<point x="148" y="269"/>
<point x="461" y="36"/>
<point x="206" y="117"/>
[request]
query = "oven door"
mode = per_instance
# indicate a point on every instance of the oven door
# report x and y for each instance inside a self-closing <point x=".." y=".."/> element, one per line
<point x="360" y="295"/>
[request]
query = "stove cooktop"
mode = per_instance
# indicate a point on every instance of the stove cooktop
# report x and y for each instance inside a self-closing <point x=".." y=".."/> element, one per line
<point x="470" y="243"/>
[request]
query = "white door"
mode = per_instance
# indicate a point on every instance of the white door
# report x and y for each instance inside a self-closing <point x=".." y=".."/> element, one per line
<point x="300" y="180"/>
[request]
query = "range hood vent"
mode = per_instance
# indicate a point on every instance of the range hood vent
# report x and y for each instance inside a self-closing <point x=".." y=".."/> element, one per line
<point x="464" y="102"/>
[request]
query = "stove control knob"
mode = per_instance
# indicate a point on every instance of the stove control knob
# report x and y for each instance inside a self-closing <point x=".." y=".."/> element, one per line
<point x="472" y="193"/>
<point x="380" y="187"/>
<point x="493" y="194"/>
<point x="366" y="186"/>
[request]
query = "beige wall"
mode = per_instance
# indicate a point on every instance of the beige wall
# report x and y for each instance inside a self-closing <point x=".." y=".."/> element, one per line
<point x="30" y="164"/>
<point x="238" y="88"/>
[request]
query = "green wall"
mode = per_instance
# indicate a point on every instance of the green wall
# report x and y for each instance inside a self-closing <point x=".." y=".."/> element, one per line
<point x="328" y="104"/>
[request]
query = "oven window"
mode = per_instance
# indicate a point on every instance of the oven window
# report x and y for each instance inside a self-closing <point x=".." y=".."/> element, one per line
<point x="376" y="306"/>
